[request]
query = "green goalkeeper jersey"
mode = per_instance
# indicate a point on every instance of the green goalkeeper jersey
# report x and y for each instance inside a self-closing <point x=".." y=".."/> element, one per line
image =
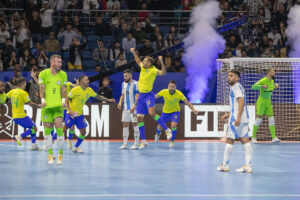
<point x="265" y="94"/>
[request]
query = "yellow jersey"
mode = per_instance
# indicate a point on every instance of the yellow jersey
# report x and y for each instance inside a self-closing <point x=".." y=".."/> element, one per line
<point x="68" y="89"/>
<point x="3" y="98"/>
<point x="78" y="97"/>
<point x="171" y="103"/>
<point x="147" y="78"/>
<point x="18" y="98"/>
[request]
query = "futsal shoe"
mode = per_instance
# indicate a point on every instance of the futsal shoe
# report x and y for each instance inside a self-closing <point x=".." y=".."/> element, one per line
<point x="69" y="144"/>
<point x="18" y="139"/>
<point x="171" y="145"/>
<point x="51" y="159"/>
<point x="143" y="145"/>
<point x="134" y="147"/>
<point x="245" y="169"/>
<point x="169" y="134"/>
<point x="223" y="168"/>
<point x="35" y="147"/>
<point x="156" y="139"/>
<point x="275" y="140"/>
<point x="59" y="159"/>
<point x="77" y="150"/>
<point x="124" y="146"/>
<point x="254" y="140"/>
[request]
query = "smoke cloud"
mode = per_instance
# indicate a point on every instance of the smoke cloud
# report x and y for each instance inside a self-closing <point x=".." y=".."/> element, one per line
<point x="202" y="46"/>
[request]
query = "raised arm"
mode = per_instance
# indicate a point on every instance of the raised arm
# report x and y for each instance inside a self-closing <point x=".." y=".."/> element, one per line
<point x="163" y="71"/>
<point x="136" y="58"/>
<point x="102" y="98"/>
<point x="258" y="85"/>
<point x="191" y="106"/>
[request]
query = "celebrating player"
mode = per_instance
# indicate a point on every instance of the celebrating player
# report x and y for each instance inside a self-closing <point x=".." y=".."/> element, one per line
<point x="75" y="102"/>
<point x="264" y="104"/>
<point x="238" y="123"/>
<point x="18" y="98"/>
<point x="2" y="93"/>
<point x="53" y="94"/>
<point x="171" y="109"/>
<point x="129" y="97"/>
<point x="146" y="100"/>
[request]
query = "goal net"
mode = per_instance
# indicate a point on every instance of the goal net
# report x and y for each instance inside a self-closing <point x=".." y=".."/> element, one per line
<point x="285" y="99"/>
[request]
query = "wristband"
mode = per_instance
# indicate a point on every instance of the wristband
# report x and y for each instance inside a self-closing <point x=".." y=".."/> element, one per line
<point x="63" y="100"/>
<point x="43" y="100"/>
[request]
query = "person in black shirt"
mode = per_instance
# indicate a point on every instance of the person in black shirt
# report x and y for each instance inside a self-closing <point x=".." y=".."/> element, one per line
<point x="100" y="76"/>
<point x="146" y="49"/>
<point x="105" y="90"/>
<point x="101" y="28"/>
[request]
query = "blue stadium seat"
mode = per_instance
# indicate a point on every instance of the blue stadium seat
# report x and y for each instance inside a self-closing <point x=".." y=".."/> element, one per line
<point x="87" y="55"/>
<point x="66" y="55"/>
<point x="164" y="30"/>
<point x="92" y="41"/>
<point x="129" y="57"/>
<point x="138" y="46"/>
<point x="89" y="64"/>
<point x="49" y="54"/>
<point x="108" y="41"/>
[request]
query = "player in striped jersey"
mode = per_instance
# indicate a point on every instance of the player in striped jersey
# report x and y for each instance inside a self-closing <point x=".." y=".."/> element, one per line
<point x="128" y="101"/>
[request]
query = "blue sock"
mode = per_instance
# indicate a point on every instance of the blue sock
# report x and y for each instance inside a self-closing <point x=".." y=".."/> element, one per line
<point x="158" y="132"/>
<point x="71" y="133"/>
<point x="26" y="133"/>
<point x="160" y="122"/>
<point x="142" y="130"/>
<point x="174" y="132"/>
<point x="33" y="138"/>
<point x="79" y="140"/>
<point x="54" y="136"/>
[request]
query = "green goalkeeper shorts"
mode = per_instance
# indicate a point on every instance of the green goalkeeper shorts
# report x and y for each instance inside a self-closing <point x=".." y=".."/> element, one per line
<point x="264" y="107"/>
<point x="50" y="114"/>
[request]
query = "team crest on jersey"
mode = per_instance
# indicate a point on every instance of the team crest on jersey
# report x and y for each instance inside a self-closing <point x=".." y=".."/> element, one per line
<point x="87" y="96"/>
<point x="175" y="99"/>
<point x="147" y="71"/>
<point x="58" y="82"/>
<point x="45" y="117"/>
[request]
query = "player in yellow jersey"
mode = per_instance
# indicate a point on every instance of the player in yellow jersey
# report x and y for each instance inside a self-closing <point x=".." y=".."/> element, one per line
<point x="146" y="100"/>
<point x="53" y="95"/>
<point x="75" y="102"/>
<point x="171" y="109"/>
<point x="19" y="97"/>
<point x="2" y="93"/>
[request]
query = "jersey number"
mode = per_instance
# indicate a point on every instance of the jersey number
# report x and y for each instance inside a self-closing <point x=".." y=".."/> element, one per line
<point x="54" y="90"/>
<point x="15" y="100"/>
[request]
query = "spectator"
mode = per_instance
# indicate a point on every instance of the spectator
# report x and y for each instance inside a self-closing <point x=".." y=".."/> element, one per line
<point x="35" y="26"/>
<point x="281" y="15"/>
<point x="101" y="28"/>
<point x="12" y="60"/>
<point x="42" y="59"/>
<point x="178" y="66"/>
<point x="12" y="84"/>
<point x="133" y="24"/>
<point x="264" y="43"/>
<point x="4" y="34"/>
<point x="75" y="59"/>
<point x="283" y="53"/>
<point x="33" y="62"/>
<point x="170" y="41"/>
<point x="168" y="61"/>
<point x="142" y="15"/>
<point x="113" y="5"/>
<point x="32" y="86"/>
<point x="121" y="61"/>
<point x="271" y="46"/>
<point x="25" y="60"/>
<point x="89" y="5"/>
<point x="36" y="51"/>
<point x="63" y="24"/>
<point x="148" y="25"/>
<point x="172" y="30"/>
<point x="139" y="34"/>
<point x="232" y="43"/>
<point x="128" y="43"/>
<point x="116" y="51"/>
<point x="277" y="54"/>
<point x="100" y="56"/>
<point x="29" y="9"/>
<point x="23" y="33"/>
<point x="2" y="21"/>
<point x="24" y="46"/>
<point x="115" y="24"/>
<point x="52" y="45"/>
<point x="159" y="43"/>
<point x="1" y="60"/>
<point x="253" y="51"/>
<point x="77" y="26"/>
<point x="74" y="5"/>
<point x="276" y="37"/>
<point x="105" y="90"/>
<point x="239" y="48"/>
<point x="46" y="17"/>
<point x="244" y="53"/>
<point x="146" y="49"/>
<point x="100" y="76"/>
<point x="67" y="34"/>
<point x="156" y="32"/>
<point x="123" y="32"/>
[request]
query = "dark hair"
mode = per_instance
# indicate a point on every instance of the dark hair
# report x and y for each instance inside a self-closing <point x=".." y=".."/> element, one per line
<point x="127" y="71"/>
<point x="235" y="71"/>
<point x="81" y="77"/>
<point x="172" y="81"/>
<point x="20" y="81"/>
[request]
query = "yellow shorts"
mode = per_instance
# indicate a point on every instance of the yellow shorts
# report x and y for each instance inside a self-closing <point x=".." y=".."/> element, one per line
<point x="71" y="66"/>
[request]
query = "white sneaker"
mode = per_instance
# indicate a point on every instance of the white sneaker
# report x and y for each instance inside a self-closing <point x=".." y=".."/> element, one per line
<point x="35" y="147"/>
<point x="77" y="150"/>
<point x="59" y="159"/>
<point x="169" y="134"/>
<point x="69" y="142"/>
<point x="275" y="140"/>
<point x="134" y="147"/>
<point x="244" y="169"/>
<point x="171" y="145"/>
<point x="254" y="140"/>
<point x="143" y="145"/>
<point x="51" y="159"/>
<point x="223" y="168"/>
<point x="156" y="139"/>
<point x="124" y="146"/>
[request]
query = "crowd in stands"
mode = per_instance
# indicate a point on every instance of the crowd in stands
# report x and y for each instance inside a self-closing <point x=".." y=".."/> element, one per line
<point x="33" y="30"/>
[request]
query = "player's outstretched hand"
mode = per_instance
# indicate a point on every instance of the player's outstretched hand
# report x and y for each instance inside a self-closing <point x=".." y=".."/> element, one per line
<point x="120" y="106"/>
<point x="132" y="109"/>
<point x="132" y="50"/>
<point x="264" y="86"/>
<point x="276" y="85"/>
<point x="195" y="112"/>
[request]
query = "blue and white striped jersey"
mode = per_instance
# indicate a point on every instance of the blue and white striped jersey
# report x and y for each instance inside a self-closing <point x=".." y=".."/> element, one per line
<point x="129" y="90"/>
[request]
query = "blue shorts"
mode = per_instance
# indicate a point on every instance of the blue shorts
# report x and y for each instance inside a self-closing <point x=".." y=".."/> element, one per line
<point x="145" y="101"/>
<point x="25" y="122"/>
<point x="65" y="114"/>
<point x="78" y="121"/>
<point x="173" y="117"/>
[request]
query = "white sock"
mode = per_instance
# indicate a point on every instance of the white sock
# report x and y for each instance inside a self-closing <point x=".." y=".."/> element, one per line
<point x="136" y="134"/>
<point x="248" y="152"/>
<point x="60" y="142"/>
<point x="48" y="141"/>
<point x="227" y="153"/>
<point x="125" y="134"/>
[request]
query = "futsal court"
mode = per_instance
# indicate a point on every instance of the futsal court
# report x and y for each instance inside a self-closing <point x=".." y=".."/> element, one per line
<point x="186" y="172"/>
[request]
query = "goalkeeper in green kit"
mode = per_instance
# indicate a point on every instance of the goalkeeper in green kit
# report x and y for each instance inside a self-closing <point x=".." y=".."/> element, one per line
<point x="264" y="104"/>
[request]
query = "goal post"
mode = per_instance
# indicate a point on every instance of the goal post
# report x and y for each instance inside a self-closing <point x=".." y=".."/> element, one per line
<point x="285" y="99"/>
